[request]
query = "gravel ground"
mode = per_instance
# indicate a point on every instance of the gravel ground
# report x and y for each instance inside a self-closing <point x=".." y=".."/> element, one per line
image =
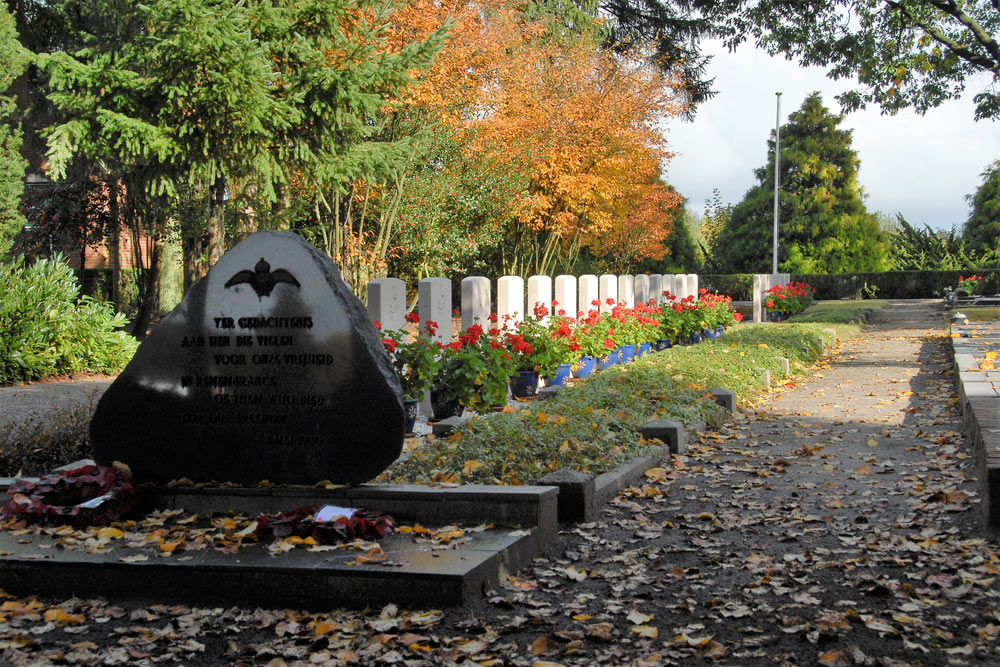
<point x="835" y="523"/>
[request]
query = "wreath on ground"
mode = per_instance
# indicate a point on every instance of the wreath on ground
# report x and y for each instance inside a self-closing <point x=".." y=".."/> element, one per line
<point x="88" y="496"/>
<point x="301" y="522"/>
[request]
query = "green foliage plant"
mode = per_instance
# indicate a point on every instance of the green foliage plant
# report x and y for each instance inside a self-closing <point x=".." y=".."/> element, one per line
<point x="498" y="367"/>
<point x="972" y="284"/>
<point x="789" y="299"/>
<point x="534" y="345"/>
<point x="595" y="334"/>
<point x="47" y="329"/>
<point x="14" y="58"/>
<point x="415" y="360"/>
<point x="462" y="371"/>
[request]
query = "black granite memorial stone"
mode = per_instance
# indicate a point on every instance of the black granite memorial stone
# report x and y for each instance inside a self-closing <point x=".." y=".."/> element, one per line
<point x="269" y="368"/>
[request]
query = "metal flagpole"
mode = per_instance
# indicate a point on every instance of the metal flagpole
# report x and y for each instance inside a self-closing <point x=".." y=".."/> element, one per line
<point x="777" y="181"/>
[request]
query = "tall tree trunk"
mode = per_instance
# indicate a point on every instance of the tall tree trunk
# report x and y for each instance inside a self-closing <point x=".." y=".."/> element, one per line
<point x="193" y="252"/>
<point x="115" y="245"/>
<point x="151" y="292"/>
<point x="216" y="220"/>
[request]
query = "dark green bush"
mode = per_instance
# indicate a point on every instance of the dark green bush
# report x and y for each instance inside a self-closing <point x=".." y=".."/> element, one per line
<point x="894" y="284"/>
<point x="47" y="329"/>
<point x="737" y="285"/>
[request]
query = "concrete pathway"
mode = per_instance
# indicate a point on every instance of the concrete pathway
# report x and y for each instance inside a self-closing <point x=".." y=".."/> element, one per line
<point x="19" y="403"/>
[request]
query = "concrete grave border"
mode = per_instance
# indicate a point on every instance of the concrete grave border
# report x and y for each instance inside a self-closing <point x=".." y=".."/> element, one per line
<point x="979" y="403"/>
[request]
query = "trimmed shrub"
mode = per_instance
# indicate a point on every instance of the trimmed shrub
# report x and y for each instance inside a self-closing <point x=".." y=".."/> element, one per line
<point x="894" y="284"/>
<point x="47" y="329"/>
<point x="737" y="285"/>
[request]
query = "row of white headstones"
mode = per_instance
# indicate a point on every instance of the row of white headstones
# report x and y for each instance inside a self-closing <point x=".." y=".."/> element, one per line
<point x="387" y="296"/>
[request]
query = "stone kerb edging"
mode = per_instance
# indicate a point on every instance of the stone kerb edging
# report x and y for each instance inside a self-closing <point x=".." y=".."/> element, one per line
<point x="581" y="494"/>
<point x="979" y="402"/>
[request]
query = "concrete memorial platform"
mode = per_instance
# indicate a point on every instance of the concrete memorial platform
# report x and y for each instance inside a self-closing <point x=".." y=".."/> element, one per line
<point x="505" y="528"/>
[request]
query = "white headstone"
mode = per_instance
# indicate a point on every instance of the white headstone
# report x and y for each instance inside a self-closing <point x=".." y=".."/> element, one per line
<point x="387" y="302"/>
<point x="758" y="297"/>
<point x="510" y="300"/>
<point x="566" y="295"/>
<point x="589" y="293"/>
<point x="666" y="285"/>
<point x="434" y="304"/>
<point x="692" y="284"/>
<point x="607" y="288"/>
<point x="656" y="288"/>
<point x="626" y="290"/>
<point x="680" y="285"/>
<point x="539" y="292"/>
<point x="641" y="286"/>
<point x="475" y="302"/>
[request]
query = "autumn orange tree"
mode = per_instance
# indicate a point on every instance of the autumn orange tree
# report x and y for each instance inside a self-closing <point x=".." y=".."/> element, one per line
<point x="642" y="235"/>
<point x="531" y="143"/>
<point x="584" y="123"/>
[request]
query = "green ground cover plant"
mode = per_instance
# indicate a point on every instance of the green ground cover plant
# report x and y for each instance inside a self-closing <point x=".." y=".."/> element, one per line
<point x="591" y="427"/>
<point x="45" y="442"/>
<point x="47" y="329"/>
<point x="839" y="312"/>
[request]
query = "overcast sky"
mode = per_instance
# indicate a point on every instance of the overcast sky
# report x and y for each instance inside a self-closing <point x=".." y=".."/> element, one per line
<point x="920" y="166"/>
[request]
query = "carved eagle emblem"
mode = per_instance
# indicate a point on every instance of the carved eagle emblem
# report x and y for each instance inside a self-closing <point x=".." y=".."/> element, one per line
<point x="262" y="279"/>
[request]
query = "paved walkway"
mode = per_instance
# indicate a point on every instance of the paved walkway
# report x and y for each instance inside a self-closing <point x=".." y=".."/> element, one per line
<point x="21" y="402"/>
<point x="834" y="524"/>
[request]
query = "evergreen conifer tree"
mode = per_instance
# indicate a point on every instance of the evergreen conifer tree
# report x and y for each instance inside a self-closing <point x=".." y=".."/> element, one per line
<point x="12" y="165"/>
<point x="824" y="227"/>
<point x="982" y="230"/>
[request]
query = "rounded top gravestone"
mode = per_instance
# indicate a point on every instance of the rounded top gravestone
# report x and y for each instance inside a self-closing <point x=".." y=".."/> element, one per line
<point x="270" y="368"/>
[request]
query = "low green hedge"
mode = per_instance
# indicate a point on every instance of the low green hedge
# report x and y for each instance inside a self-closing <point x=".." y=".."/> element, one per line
<point x="592" y="427"/>
<point x="894" y="284"/>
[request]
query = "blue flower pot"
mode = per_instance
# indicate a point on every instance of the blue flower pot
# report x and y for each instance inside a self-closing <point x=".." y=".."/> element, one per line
<point x="710" y="333"/>
<point x="562" y="374"/>
<point x="585" y="367"/>
<point x="409" y="414"/>
<point x="645" y="348"/>
<point x="607" y="361"/>
<point x="524" y="385"/>
<point x="661" y="345"/>
<point x="442" y="409"/>
<point x="695" y="338"/>
<point x="627" y="353"/>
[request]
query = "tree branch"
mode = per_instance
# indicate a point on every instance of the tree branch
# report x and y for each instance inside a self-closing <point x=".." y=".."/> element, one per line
<point x="950" y="8"/>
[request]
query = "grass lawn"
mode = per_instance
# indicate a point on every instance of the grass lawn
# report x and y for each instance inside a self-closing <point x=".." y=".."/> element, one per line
<point x="841" y="311"/>
<point x="980" y="314"/>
